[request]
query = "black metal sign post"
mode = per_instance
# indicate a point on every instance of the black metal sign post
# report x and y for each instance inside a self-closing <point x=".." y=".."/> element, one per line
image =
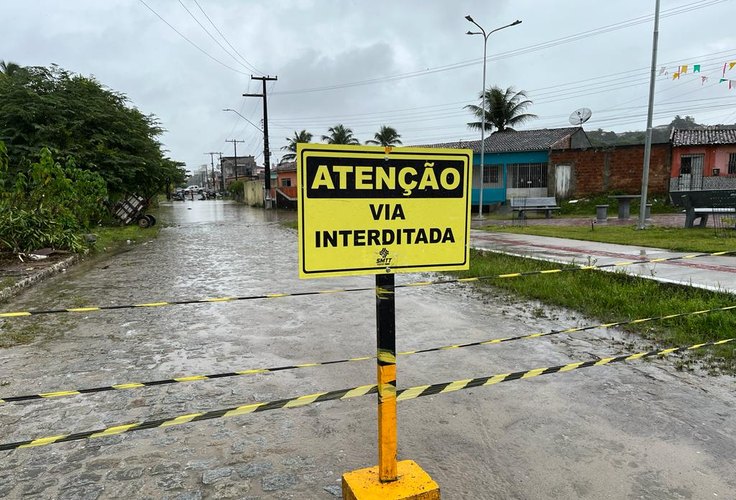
<point x="386" y="376"/>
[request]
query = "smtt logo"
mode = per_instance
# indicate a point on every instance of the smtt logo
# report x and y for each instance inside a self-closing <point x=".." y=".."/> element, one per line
<point x="384" y="260"/>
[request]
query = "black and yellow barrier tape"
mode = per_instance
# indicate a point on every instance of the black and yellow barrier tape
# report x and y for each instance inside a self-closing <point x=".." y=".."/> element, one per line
<point x="382" y="356"/>
<point x="87" y="309"/>
<point x="402" y="395"/>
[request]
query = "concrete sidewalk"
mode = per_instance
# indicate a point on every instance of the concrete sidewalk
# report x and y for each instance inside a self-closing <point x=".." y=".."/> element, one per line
<point x="712" y="273"/>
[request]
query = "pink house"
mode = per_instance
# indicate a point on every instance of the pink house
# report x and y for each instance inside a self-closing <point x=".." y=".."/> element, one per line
<point x="703" y="158"/>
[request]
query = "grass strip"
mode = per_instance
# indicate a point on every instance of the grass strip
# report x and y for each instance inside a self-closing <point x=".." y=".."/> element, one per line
<point x="675" y="239"/>
<point x="610" y="297"/>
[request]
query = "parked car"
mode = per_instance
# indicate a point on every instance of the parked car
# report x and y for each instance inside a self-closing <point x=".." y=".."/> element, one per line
<point x="193" y="189"/>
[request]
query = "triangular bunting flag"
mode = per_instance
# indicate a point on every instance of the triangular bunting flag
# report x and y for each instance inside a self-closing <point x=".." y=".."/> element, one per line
<point x="696" y="68"/>
<point x="703" y="79"/>
<point x="723" y="80"/>
<point x="731" y="65"/>
<point x="662" y="70"/>
<point x="724" y="69"/>
<point x="683" y="69"/>
<point x="675" y="75"/>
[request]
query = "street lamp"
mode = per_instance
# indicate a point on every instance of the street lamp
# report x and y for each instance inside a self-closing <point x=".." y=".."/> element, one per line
<point x="483" y="105"/>
<point x="244" y="118"/>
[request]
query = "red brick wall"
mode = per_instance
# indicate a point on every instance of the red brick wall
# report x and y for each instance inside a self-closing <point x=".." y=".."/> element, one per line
<point x="599" y="170"/>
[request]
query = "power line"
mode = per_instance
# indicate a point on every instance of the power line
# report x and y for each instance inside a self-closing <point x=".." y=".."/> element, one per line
<point x="524" y="50"/>
<point x="227" y="41"/>
<point x="213" y="38"/>
<point x="191" y="42"/>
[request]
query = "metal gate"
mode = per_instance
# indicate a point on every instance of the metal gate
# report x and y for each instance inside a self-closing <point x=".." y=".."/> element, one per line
<point x="691" y="173"/>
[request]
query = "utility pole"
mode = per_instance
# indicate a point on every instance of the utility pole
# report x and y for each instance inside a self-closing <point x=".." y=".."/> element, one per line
<point x="650" y="112"/>
<point x="235" y="147"/>
<point x="212" y="168"/>
<point x="266" y="151"/>
<point x="222" y="176"/>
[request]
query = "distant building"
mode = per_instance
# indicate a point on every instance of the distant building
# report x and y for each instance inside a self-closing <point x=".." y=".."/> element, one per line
<point x="517" y="162"/>
<point x="243" y="169"/>
<point x="703" y="158"/>
<point x="285" y="186"/>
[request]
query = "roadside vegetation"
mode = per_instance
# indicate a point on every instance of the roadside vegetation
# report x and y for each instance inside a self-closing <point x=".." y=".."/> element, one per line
<point x="69" y="149"/>
<point x="613" y="297"/>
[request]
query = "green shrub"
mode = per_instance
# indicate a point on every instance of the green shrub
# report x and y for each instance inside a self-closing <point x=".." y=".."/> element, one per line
<point x="48" y="204"/>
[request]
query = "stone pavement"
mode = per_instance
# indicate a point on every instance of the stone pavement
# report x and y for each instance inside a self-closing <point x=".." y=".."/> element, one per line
<point x="712" y="273"/>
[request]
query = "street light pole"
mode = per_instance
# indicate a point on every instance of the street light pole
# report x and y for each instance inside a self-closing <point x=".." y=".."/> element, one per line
<point x="483" y="104"/>
<point x="650" y="112"/>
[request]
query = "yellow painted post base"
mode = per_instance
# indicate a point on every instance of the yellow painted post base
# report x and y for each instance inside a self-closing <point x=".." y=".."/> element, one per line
<point x="413" y="483"/>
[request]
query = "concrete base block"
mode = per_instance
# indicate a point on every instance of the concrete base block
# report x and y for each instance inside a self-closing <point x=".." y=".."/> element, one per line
<point x="413" y="483"/>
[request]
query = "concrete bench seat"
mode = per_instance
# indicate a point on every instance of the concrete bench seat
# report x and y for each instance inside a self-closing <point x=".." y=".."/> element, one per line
<point x="699" y="205"/>
<point x="540" y="204"/>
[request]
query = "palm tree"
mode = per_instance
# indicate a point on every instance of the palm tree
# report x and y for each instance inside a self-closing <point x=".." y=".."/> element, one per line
<point x="299" y="138"/>
<point x="386" y="136"/>
<point x="504" y="109"/>
<point x="8" y="68"/>
<point x="340" y="135"/>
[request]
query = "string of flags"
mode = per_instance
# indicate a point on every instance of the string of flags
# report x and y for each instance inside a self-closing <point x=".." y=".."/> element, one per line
<point x="684" y="69"/>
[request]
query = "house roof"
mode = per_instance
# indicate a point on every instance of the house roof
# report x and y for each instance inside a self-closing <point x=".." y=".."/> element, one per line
<point x="286" y="166"/>
<point x="511" y="141"/>
<point x="718" y="134"/>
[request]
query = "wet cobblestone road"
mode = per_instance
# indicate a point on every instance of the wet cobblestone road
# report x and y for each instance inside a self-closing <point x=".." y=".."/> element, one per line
<point x="641" y="430"/>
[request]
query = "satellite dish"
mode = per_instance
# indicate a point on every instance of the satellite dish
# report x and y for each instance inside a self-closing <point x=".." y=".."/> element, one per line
<point x="580" y="116"/>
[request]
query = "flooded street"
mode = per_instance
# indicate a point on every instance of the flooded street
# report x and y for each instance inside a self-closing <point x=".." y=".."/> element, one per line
<point x="633" y="430"/>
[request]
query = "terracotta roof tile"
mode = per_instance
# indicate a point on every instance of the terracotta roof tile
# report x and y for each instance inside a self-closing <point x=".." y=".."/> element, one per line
<point x="521" y="140"/>
<point x="718" y="134"/>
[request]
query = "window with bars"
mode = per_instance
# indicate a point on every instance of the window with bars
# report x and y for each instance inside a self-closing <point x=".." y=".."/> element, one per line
<point x="527" y="175"/>
<point x="492" y="174"/>
<point x="732" y="163"/>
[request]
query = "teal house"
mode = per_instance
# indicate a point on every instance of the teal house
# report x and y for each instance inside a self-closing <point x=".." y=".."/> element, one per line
<point x="517" y="162"/>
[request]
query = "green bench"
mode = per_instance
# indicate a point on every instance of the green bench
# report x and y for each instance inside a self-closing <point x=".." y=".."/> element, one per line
<point x="699" y="205"/>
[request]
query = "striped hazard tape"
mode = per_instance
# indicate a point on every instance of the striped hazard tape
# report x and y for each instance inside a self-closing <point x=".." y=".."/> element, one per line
<point x="87" y="309"/>
<point x="402" y="395"/>
<point x="214" y="376"/>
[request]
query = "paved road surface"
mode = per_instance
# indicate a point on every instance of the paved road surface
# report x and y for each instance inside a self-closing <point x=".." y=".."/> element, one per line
<point x="637" y="430"/>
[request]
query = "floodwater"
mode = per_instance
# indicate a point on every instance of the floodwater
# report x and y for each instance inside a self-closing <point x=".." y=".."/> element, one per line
<point x="636" y="430"/>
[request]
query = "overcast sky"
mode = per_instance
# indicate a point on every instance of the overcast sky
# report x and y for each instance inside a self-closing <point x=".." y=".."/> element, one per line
<point x="407" y="64"/>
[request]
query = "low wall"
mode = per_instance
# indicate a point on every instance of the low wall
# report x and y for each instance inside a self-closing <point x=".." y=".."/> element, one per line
<point x="254" y="193"/>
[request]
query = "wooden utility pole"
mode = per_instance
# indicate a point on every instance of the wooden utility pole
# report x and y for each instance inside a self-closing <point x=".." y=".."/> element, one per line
<point x="266" y="151"/>
<point x="235" y="148"/>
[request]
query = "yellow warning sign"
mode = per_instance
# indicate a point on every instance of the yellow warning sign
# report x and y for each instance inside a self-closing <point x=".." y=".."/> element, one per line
<point x="374" y="210"/>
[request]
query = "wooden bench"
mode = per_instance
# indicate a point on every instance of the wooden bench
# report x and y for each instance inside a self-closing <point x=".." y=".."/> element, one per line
<point x="700" y="204"/>
<point x="523" y="205"/>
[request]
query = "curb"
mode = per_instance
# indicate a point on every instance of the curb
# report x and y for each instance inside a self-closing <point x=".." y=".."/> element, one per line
<point x="60" y="266"/>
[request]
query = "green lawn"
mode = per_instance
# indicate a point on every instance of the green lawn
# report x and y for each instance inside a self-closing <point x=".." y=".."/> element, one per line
<point x="613" y="297"/>
<point x="676" y="239"/>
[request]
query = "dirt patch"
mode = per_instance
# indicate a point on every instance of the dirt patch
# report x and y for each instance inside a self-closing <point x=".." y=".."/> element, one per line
<point x="18" y="272"/>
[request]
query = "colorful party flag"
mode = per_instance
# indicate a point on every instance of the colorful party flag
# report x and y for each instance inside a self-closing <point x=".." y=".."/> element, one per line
<point x="723" y="80"/>
<point x="696" y="68"/>
<point x="683" y="69"/>
<point x="703" y="79"/>
<point x="724" y="69"/>
<point x="731" y="65"/>
<point x="675" y="75"/>
<point x="662" y="70"/>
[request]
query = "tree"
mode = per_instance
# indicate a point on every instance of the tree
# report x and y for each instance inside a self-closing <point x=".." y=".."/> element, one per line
<point x="302" y="137"/>
<point x="9" y="69"/>
<point x="339" y="134"/>
<point x="386" y="136"/>
<point x="77" y="117"/>
<point x="504" y="109"/>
